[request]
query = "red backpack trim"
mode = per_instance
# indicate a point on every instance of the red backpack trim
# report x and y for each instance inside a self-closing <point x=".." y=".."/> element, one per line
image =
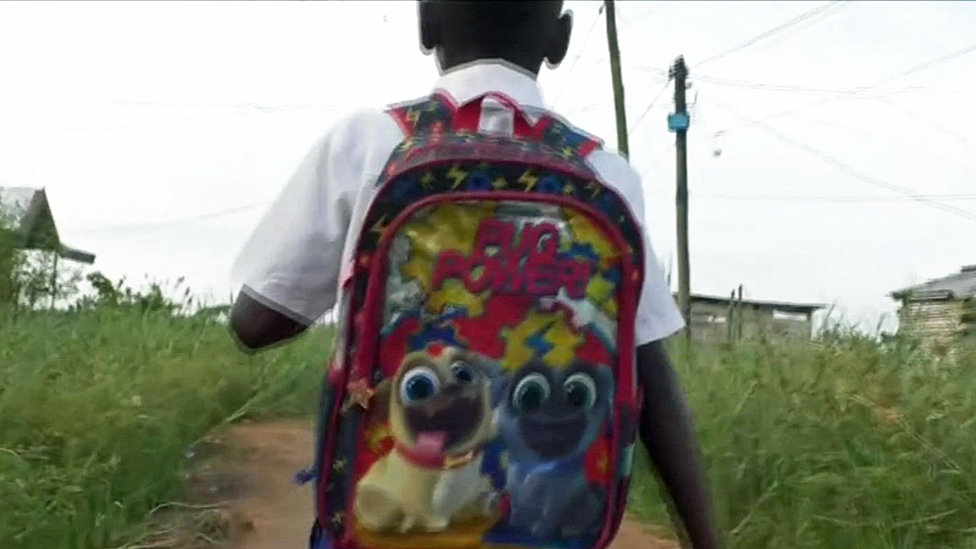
<point x="440" y="112"/>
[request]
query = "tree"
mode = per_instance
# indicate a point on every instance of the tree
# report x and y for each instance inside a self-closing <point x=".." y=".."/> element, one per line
<point x="30" y="278"/>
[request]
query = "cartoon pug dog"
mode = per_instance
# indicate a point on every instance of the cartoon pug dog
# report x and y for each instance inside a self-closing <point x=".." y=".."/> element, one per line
<point x="548" y="419"/>
<point x="440" y="416"/>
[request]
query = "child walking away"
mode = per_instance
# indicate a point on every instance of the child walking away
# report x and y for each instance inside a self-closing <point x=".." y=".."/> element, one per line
<point x="500" y="311"/>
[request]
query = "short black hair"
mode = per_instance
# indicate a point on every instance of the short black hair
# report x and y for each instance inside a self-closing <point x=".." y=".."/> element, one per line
<point x="498" y="26"/>
<point x="525" y="32"/>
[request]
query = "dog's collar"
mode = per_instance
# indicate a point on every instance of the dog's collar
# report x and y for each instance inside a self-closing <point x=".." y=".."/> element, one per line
<point x="445" y="462"/>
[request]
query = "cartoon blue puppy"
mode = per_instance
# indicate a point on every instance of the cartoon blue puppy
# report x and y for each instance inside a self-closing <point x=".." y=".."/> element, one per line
<point x="548" y="418"/>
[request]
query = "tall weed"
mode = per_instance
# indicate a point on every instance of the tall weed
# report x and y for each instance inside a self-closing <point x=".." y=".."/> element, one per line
<point x="845" y="443"/>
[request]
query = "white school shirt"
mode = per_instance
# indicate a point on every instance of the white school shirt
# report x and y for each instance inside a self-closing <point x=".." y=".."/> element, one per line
<point x="294" y="259"/>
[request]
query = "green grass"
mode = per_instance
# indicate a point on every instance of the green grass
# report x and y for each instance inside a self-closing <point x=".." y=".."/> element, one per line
<point x="845" y="445"/>
<point x="842" y="445"/>
<point x="98" y="411"/>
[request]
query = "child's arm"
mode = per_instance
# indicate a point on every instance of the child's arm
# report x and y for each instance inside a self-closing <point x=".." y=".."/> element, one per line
<point x="256" y="327"/>
<point x="288" y="268"/>
<point x="667" y="432"/>
<point x="665" y="424"/>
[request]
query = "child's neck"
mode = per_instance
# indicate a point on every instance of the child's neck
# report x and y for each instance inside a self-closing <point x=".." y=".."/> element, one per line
<point x="452" y="62"/>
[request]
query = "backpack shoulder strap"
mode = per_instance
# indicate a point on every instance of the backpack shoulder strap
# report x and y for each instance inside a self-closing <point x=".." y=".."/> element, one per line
<point x="431" y="114"/>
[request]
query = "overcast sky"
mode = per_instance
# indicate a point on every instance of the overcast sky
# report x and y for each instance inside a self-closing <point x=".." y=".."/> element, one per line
<point x="162" y="129"/>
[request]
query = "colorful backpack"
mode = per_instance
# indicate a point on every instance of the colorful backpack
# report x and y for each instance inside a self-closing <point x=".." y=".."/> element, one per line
<point x="482" y="389"/>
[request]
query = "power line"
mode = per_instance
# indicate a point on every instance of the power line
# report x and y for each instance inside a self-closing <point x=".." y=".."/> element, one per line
<point x="589" y="107"/>
<point x="812" y="90"/>
<point x="770" y="32"/>
<point x="652" y="165"/>
<point x="857" y="92"/>
<point x="656" y="9"/>
<point x="794" y="88"/>
<point x="132" y="125"/>
<point x="926" y="65"/>
<point x="649" y="107"/>
<point x="241" y="109"/>
<point x="239" y="105"/>
<point x="850" y="170"/>
<point x="163" y="224"/>
<point x="576" y="59"/>
<point x="956" y="136"/>
<point x="930" y="64"/>
<point x="839" y="199"/>
<point x="850" y="130"/>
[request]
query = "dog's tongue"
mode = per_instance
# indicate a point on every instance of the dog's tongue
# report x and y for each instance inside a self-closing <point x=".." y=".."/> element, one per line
<point x="431" y="443"/>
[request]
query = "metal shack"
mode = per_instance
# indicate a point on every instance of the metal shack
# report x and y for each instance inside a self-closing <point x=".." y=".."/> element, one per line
<point x="719" y="319"/>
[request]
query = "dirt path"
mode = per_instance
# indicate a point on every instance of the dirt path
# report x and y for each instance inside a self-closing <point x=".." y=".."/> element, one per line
<point x="273" y="513"/>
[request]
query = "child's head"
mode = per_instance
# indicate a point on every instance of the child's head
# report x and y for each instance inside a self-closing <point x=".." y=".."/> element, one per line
<point x="524" y="32"/>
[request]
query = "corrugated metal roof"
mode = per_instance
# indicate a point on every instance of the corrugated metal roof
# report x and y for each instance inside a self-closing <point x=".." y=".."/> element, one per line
<point x="777" y="305"/>
<point x="22" y="208"/>
<point x="961" y="285"/>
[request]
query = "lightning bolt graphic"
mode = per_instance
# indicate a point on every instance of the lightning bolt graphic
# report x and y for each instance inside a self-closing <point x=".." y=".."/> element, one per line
<point x="593" y="186"/>
<point x="413" y="116"/>
<point x="528" y="180"/>
<point x="406" y="144"/>
<point x="380" y="226"/>
<point x="457" y="174"/>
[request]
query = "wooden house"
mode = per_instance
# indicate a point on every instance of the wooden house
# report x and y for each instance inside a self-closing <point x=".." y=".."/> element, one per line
<point x="940" y="311"/>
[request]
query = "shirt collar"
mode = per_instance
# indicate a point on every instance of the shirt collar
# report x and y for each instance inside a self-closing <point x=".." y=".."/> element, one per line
<point x="468" y="81"/>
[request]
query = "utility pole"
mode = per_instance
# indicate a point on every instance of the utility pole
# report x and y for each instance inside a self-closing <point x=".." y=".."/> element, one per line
<point x="678" y="122"/>
<point x="739" y="306"/>
<point x="618" y="80"/>
<point x="54" y="281"/>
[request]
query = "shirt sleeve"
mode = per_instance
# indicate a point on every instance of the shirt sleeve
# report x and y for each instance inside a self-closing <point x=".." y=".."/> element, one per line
<point x="658" y="316"/>
<point x="291" y="261"/>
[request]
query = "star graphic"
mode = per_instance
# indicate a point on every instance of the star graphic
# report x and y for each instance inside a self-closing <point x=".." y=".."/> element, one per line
<point x="376" y="436"/>
<point x="339" y="465"/>
<point x="337" y="519"/>
<point x="359" y="393"/>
